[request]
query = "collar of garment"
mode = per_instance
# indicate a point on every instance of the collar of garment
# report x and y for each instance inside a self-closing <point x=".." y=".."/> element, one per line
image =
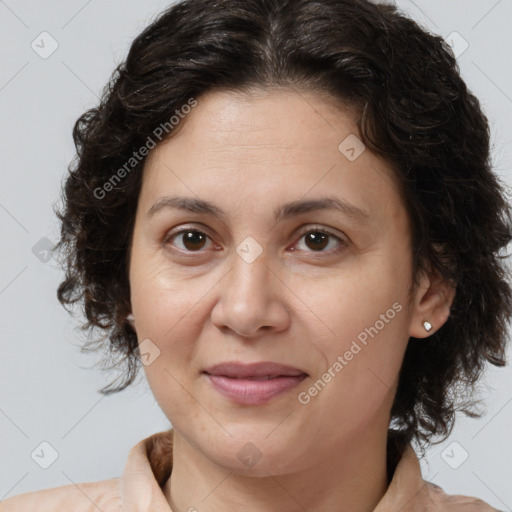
<point x="150" y="463"/>
<point x="149" y="466"/>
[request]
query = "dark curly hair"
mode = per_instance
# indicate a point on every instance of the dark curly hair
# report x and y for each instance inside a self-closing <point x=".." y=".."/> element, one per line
<point x="414" y="110"/>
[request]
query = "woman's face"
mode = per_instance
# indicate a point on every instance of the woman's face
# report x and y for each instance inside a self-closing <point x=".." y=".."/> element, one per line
<point x="322" y="290"/>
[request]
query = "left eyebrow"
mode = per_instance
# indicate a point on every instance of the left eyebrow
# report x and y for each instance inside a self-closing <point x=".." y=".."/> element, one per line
<point x="194" y="205"/>
<point x="323" y="203"/>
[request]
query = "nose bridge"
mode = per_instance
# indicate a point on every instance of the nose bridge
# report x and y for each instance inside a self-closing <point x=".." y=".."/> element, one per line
<point x="251" y="274"/>
<point x="249" y="298"/>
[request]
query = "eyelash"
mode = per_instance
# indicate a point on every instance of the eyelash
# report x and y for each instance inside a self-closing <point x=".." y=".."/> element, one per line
<point x="330" y="252"/>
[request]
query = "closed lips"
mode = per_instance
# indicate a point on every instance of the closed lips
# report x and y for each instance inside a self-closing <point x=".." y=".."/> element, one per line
<point x="253" y="384"/>
<point x="254" y="371"/>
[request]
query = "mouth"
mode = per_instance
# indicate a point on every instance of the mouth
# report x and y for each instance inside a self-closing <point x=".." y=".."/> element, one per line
<point x="253" y="384"/>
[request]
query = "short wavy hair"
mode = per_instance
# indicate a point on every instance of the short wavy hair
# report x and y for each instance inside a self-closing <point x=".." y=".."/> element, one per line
<point x="414" y="110"/>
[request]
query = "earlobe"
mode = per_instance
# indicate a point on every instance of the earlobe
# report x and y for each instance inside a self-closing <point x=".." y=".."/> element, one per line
<point x="432" y="303"/>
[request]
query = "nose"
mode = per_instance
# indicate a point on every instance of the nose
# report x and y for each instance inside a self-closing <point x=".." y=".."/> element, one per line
<point x="252" y="299"/>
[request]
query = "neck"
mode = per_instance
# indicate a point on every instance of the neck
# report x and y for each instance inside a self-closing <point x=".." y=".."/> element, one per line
<point x="353" y="477"/>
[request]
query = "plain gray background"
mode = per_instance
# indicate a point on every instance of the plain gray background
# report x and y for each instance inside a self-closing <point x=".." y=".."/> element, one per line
<point x="47" y="394"/>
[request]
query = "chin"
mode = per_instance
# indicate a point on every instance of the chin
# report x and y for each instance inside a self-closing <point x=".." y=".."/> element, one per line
<point x="253" y="453"/>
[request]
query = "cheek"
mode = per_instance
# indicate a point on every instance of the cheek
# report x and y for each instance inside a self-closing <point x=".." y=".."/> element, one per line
<point x="160" y="299"/>
<point x="162" y="309"/>
<point x="168" y="315"/>
<point x="354" y="299"/>
<point x="167" y="324"/>
<point x="367" y="315"/>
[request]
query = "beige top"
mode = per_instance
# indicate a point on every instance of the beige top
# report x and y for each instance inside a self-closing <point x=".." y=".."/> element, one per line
<point x="149" y="466"/>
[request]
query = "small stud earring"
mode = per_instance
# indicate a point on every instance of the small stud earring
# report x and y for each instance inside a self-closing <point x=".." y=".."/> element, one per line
<point x="130" y="318"/>
<point x="427" y="326"/>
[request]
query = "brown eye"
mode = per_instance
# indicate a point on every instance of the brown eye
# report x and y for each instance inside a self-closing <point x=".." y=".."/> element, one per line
<point x="192" y="240"/>
<point x="316" y="240"/>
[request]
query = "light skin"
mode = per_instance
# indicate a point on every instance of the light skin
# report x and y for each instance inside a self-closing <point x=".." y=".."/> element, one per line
<point x="297" y="303"/>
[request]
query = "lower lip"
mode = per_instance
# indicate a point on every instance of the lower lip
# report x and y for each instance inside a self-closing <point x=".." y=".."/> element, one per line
<point x="254" y="392"/>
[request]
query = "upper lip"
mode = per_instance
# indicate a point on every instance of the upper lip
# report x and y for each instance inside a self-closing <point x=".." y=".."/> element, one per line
<point x="262" y="369"/>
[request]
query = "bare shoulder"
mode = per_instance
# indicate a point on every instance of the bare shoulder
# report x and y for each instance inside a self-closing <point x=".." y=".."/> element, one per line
<point x="84" y="497"/>
<point x="441" y="501"/>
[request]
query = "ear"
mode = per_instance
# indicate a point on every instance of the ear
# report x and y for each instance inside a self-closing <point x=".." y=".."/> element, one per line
<point x="432" y="302"/>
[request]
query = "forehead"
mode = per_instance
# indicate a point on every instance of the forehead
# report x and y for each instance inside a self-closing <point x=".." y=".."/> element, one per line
<point x="263" y="144"/>
<point x="275" y="117"/>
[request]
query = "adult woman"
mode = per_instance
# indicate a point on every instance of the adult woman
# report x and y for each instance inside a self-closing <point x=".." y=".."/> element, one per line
<point x="266" y="131"/>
